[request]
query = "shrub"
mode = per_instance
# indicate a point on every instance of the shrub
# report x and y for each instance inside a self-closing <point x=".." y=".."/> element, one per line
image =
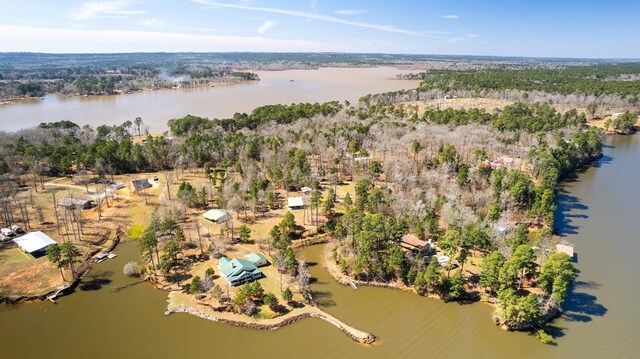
<point x="544" y="337"/>
<point x="287" y="295"/>
<point x="271" y="300"/>
<point x="131" y="269"/>
<point x="195" y="285"/>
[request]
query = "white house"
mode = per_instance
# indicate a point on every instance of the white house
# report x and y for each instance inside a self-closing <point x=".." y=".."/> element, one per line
<point x="295" y="203"/>
<point x="217" y="215"/>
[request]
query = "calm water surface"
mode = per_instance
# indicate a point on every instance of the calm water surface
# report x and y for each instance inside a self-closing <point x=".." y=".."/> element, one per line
<point x="157" y="107"/>
<point x="597" y="212"/>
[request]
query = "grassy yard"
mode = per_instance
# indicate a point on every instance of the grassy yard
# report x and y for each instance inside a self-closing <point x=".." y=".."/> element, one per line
<point x="23" y="275"/>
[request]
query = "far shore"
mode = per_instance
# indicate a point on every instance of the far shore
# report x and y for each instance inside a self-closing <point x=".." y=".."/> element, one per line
<point x="13" y="100"/>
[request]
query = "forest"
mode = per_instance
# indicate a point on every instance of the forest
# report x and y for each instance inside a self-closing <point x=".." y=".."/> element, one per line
<point x="35" y="75"/>
<point x="602" y="79"/>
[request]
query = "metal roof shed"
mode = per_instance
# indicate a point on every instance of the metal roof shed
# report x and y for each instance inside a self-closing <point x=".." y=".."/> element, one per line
<point x="34" y="242"/>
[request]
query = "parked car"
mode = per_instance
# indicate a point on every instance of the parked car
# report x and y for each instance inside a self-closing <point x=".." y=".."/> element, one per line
<point x="7" y="232"/>
<point x="155" y="178"/>
<point x="17" y="229"/>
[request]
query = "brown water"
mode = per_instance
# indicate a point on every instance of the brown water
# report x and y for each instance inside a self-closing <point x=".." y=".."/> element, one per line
<point x="598" y="212"/>
<point x="157" y="107"/>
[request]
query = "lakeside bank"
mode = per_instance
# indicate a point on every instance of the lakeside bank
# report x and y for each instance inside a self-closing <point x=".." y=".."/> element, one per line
<point x="179" y="302"/>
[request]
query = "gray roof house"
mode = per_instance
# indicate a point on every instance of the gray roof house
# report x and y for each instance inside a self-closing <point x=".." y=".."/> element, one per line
<point x="77" y="202"/>
<point x="141" y="184"/>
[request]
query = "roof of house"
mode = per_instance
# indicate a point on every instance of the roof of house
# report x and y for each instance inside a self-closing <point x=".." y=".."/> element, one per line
<point x="305" y="189"/>
<point x="117" y="185"/>
<point x="234" y="268"/>
<point x="412" y="240"/>
<point x="215" y="214"/>
<point x="141" y="183"/>
<point x="255" y="257"/>
<point x="34" y="241"/>
<point x="565" y="249"/>
<point x="73" y="201"/>
<point x="295" y="202"/>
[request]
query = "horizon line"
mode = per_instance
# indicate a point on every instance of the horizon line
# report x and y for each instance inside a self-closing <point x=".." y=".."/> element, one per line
<point x="326" y="52"/>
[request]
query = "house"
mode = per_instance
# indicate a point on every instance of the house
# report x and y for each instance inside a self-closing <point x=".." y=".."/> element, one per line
<point x="504" y="162"/>
<point x="141" y="184"/>
<point x="445" y="261"/>
<point x="116" y="186"/>
<point x="78" y="202"/>
<point x="414" y="244"/>
<point x="568" y="250"/>
<point x="217" y="215"/>
<point x="295" y="203"/>
<point x="306" y="190"/>
<point x="238" y="271"/>
<point x="257" y="259"/>
<point x="34" y="243"/>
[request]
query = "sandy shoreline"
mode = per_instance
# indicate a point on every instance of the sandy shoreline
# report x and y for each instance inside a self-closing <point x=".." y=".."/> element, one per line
<point x="179" y="302"/>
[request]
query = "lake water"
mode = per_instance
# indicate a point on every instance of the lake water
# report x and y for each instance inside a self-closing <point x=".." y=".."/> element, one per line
<point x="157" y="107"/>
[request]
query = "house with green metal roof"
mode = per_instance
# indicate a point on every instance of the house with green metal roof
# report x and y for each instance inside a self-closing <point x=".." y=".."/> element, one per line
<point x="258" y="259"/>
<point x="237" y="271"/>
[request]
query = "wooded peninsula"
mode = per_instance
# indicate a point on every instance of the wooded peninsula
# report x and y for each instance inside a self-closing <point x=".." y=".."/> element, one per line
<point x="430" y="191"/>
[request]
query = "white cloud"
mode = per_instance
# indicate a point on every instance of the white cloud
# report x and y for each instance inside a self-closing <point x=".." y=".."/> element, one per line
<point x="65" y="40"/>
<point x="95" y="9"/>
<point x="314" y="16"/>
<point x="351" y="11"/>
<point x="152" y="23"/>
<point x="473" y="36"/>
<point x="266" y="26"/>
<point x="455" y="40"/>
<point x="451" y="17"/>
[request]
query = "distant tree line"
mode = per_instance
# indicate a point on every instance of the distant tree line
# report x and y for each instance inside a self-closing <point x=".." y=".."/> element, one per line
<point x="620" y="79"/>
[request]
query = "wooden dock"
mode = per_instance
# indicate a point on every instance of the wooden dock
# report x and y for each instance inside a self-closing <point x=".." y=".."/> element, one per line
<point x="55" y="294"/>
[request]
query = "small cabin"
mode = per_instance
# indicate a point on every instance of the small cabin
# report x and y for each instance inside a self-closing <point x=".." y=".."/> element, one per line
<point x="79" y="202"/>
<point x="141" y="184"/>
<point x="567" y="249"/>
<point x="217" y="215"/>
<point x="295" y="203"/>
<point x="116" y="186"/>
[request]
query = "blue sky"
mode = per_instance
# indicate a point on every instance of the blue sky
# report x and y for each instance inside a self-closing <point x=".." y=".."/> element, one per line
<point x="545" y="28"/>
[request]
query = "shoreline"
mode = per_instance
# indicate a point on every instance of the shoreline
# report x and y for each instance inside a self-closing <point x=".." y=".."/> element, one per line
<point x="14" y="100"/>
<point x="68" y="287"/>
<point x="346" y="280"/>
<point x="308" y="311"/>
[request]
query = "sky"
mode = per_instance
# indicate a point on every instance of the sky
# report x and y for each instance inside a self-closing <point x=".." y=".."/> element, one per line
<point x="541" y="28"/>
